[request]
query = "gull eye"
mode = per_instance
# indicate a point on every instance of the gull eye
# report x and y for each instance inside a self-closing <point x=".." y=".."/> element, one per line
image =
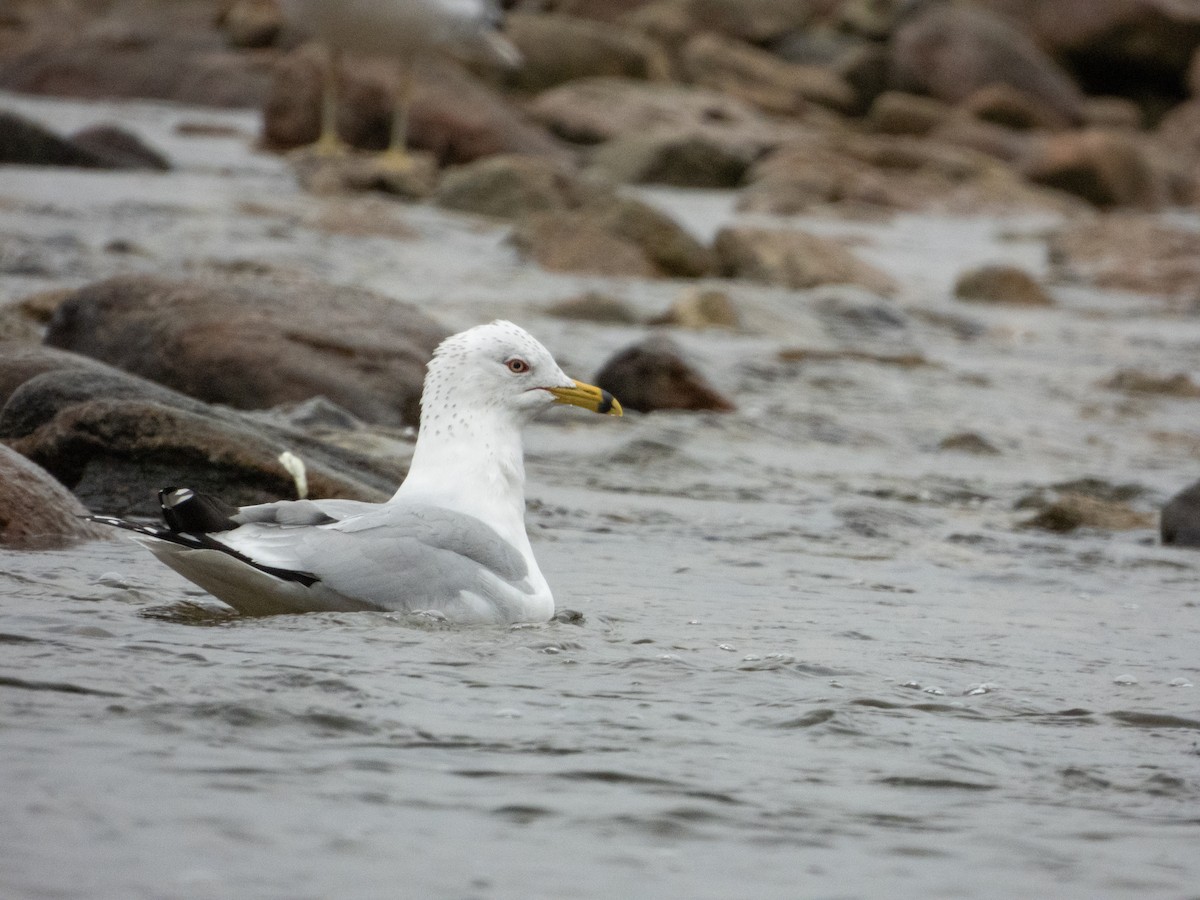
<point x="517" y="366"/>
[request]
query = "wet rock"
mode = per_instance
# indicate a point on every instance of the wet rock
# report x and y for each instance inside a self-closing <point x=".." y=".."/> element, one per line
<point x="115" y="439"/>
<point x="594" y="110"/>
<point x="560" y="48"/>
<point x="250" y="24"/>
<point x="1129" y="252"/>
<point x="572" y="241"/>
<point x="453" y="116"/>
<point x="1005" y="105"/>
<point x="116" y="148"/>
<point x="1006" y="285"/>
<point x="968" y="442"/>
<point x="680" y="159"/>
<point x="1180" y="520"/>
<point x="951" y="51"/>
<point x="594" y="306"/>
<point x="668" y="245"/>
<point x="253" y="343"/>
<point x="1106" y="169"/>
<point x="895" y="112"/>
<point x="510" y="187"/>
<point x="699" y="308"/>
<point x="1072" y="511"/>
<point x="1112" y="114"/>
<point x="1133" y="381"/>
<point x="760" y="78"/>
<point x="793" y="259"/>
<point x="36" y="511"/>
<point x="821" y="354"/>
<point x="755" y="21"/>
<point x="653" y="375"/>
<point x="355" y="172"/>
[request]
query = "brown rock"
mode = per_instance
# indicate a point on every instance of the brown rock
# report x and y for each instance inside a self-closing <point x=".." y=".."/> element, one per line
<point x="598" y="109"/>
<point x="510" y="187"/>
<point x="669" y="246"/>
<point x="116" y="439"/>
<point x="1131" y="381"/>
<point x="1005" y="105"/>
<point x="793" y="259"/>
<point x="653" y="375"/>
<point x="23" y="142"/>
<point x="353" y="172"/>
<point x="760" y="78"/>
<point x="1129" y="252"/>
<point x="116" y="148"/>
<point x="571" y="241"/>
<point x="1072" y="511"/>
<point x="254" y="344"/>
<point x="680" y="159"/>
<point x="453" y="116"/>
<point x="19" y="362"/>
<point x="251" y="23"/>
<point x="1112" y="114"/>
<point x="895" y="112"/>
<point x="1107" y="169"/>
<point x="560" y="48"/>
<point x="951" y="51"/>
<point x="701" y="307"/>
<point x="36" y="511"/>
<point x="1005" y="285"/>
<point x="594" y="306"/>
<point x="968" y="442"/>
<point x="755" y="21"/>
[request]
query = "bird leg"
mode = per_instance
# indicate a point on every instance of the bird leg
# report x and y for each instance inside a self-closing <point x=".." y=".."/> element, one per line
<point x="397" y="156"/>
<point x="329" y="144"/>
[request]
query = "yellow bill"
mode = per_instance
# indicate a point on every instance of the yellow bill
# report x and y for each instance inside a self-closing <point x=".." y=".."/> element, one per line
<point x="589" y="397"/>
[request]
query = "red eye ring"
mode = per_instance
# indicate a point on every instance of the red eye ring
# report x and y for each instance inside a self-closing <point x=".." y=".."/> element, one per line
<point x="517" y="366"/>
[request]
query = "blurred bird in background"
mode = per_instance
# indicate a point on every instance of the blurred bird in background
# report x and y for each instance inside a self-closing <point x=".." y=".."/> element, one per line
<point x="404" y="30"/>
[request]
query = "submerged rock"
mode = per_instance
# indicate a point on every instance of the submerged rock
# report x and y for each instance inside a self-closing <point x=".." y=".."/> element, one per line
<point x="1070" y="511"/>
<point x="253" y="343"/>
<point x="793" y="259"/>
<point x="23" y="142"/>
<point x="654" y="375"/>
<point x="1002" y="285"/>
<point x="1180" y="521"/>
<point x="36" y="511"/>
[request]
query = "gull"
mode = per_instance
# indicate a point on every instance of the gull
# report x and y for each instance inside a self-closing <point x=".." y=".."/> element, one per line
<point x="403" y="30"/>
<point x="450" y="541"/>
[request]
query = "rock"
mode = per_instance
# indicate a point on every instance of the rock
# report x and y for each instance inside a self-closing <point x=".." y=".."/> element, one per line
<point x="572" y="241"/>
<point x="165" y="51"/>
<point x="701" y="308"/>
<point x="679" y="159"/>
<point x="36" y="511"/>
<point x="595" y="110"/>
<point x="20" y="362"/>
<point x="1006" y="285"/>
<point x="353" y="172"/>
<point x="1112" y="114"/>
<point x="561" y="48"/>
<point x="793" y="259"/>
<point x="1129" y="252"/>
<point x="572" y="223"/>
<point x="1106" y="169"/>
<point x="511" y="187"/>
<point x="819" y="355"/>
<point x="1131" y="381"/>
<point x="453" y="116"/>
<point x="895" y="112"/>
<point x="1005" y="105"/>
<point x="251" y="24"/>
<point x="755" y="21"/>
<point x="653" y="375"/>
<point x="951" y="51"/>
<point x="1180" y="521"/>
<point x="760" y="78"/>
<point x="115" y="439"/>
<point x="594" y="306"/>
<point x="1072" y="511"/>
<point x="968" y="442"/>
<point x="252" y="343"/>
<point x="116" y="148"/>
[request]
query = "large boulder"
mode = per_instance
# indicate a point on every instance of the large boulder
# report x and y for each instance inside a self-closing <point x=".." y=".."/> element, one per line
<point x="252" y="343"/>
<point x="653" y="375"/>
<point x="1105" y="168"/>
<point x="560" y="48"/>
<point x="24" y="142"/>
<point x="115" y="440"/>
<point x="951" y="51"/>
<point x="36" y="511"/>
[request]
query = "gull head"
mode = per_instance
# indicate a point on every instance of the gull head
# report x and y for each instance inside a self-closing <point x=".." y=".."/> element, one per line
<point x="503" y="368"/>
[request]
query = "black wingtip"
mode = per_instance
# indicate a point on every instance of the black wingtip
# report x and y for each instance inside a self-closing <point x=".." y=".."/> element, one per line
<point x="190" y="511"/>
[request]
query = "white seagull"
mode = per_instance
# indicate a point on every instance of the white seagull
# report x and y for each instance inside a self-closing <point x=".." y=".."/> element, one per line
<point x="402" y="30"/>
<point x="451" y="539"/>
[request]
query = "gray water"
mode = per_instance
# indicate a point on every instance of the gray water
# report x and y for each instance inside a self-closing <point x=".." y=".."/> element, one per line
<point x="816" y="657"/>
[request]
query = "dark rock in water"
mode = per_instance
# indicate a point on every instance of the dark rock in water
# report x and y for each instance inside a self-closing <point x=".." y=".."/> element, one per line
<point x="1002" y="285"/>
<point x="20" y="362"/>
<point x="1071" y="511"/>
<point x="968" y="442"/>
<point x="118" y="149"/>
<point x="116" y="439"/>
<point x="593" y="306"/>
<point x="23" y="142"/>
<point x="253" y="344"/>
<point x="654" y="375"/>
<point x="1180" y="521"/>
<point x="1132" y="381"/>
<point x="36" y="511"/>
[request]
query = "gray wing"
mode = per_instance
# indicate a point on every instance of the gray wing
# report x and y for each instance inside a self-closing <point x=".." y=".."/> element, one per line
<point x="398" y="558"/>
<point x="302" y="512"/>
